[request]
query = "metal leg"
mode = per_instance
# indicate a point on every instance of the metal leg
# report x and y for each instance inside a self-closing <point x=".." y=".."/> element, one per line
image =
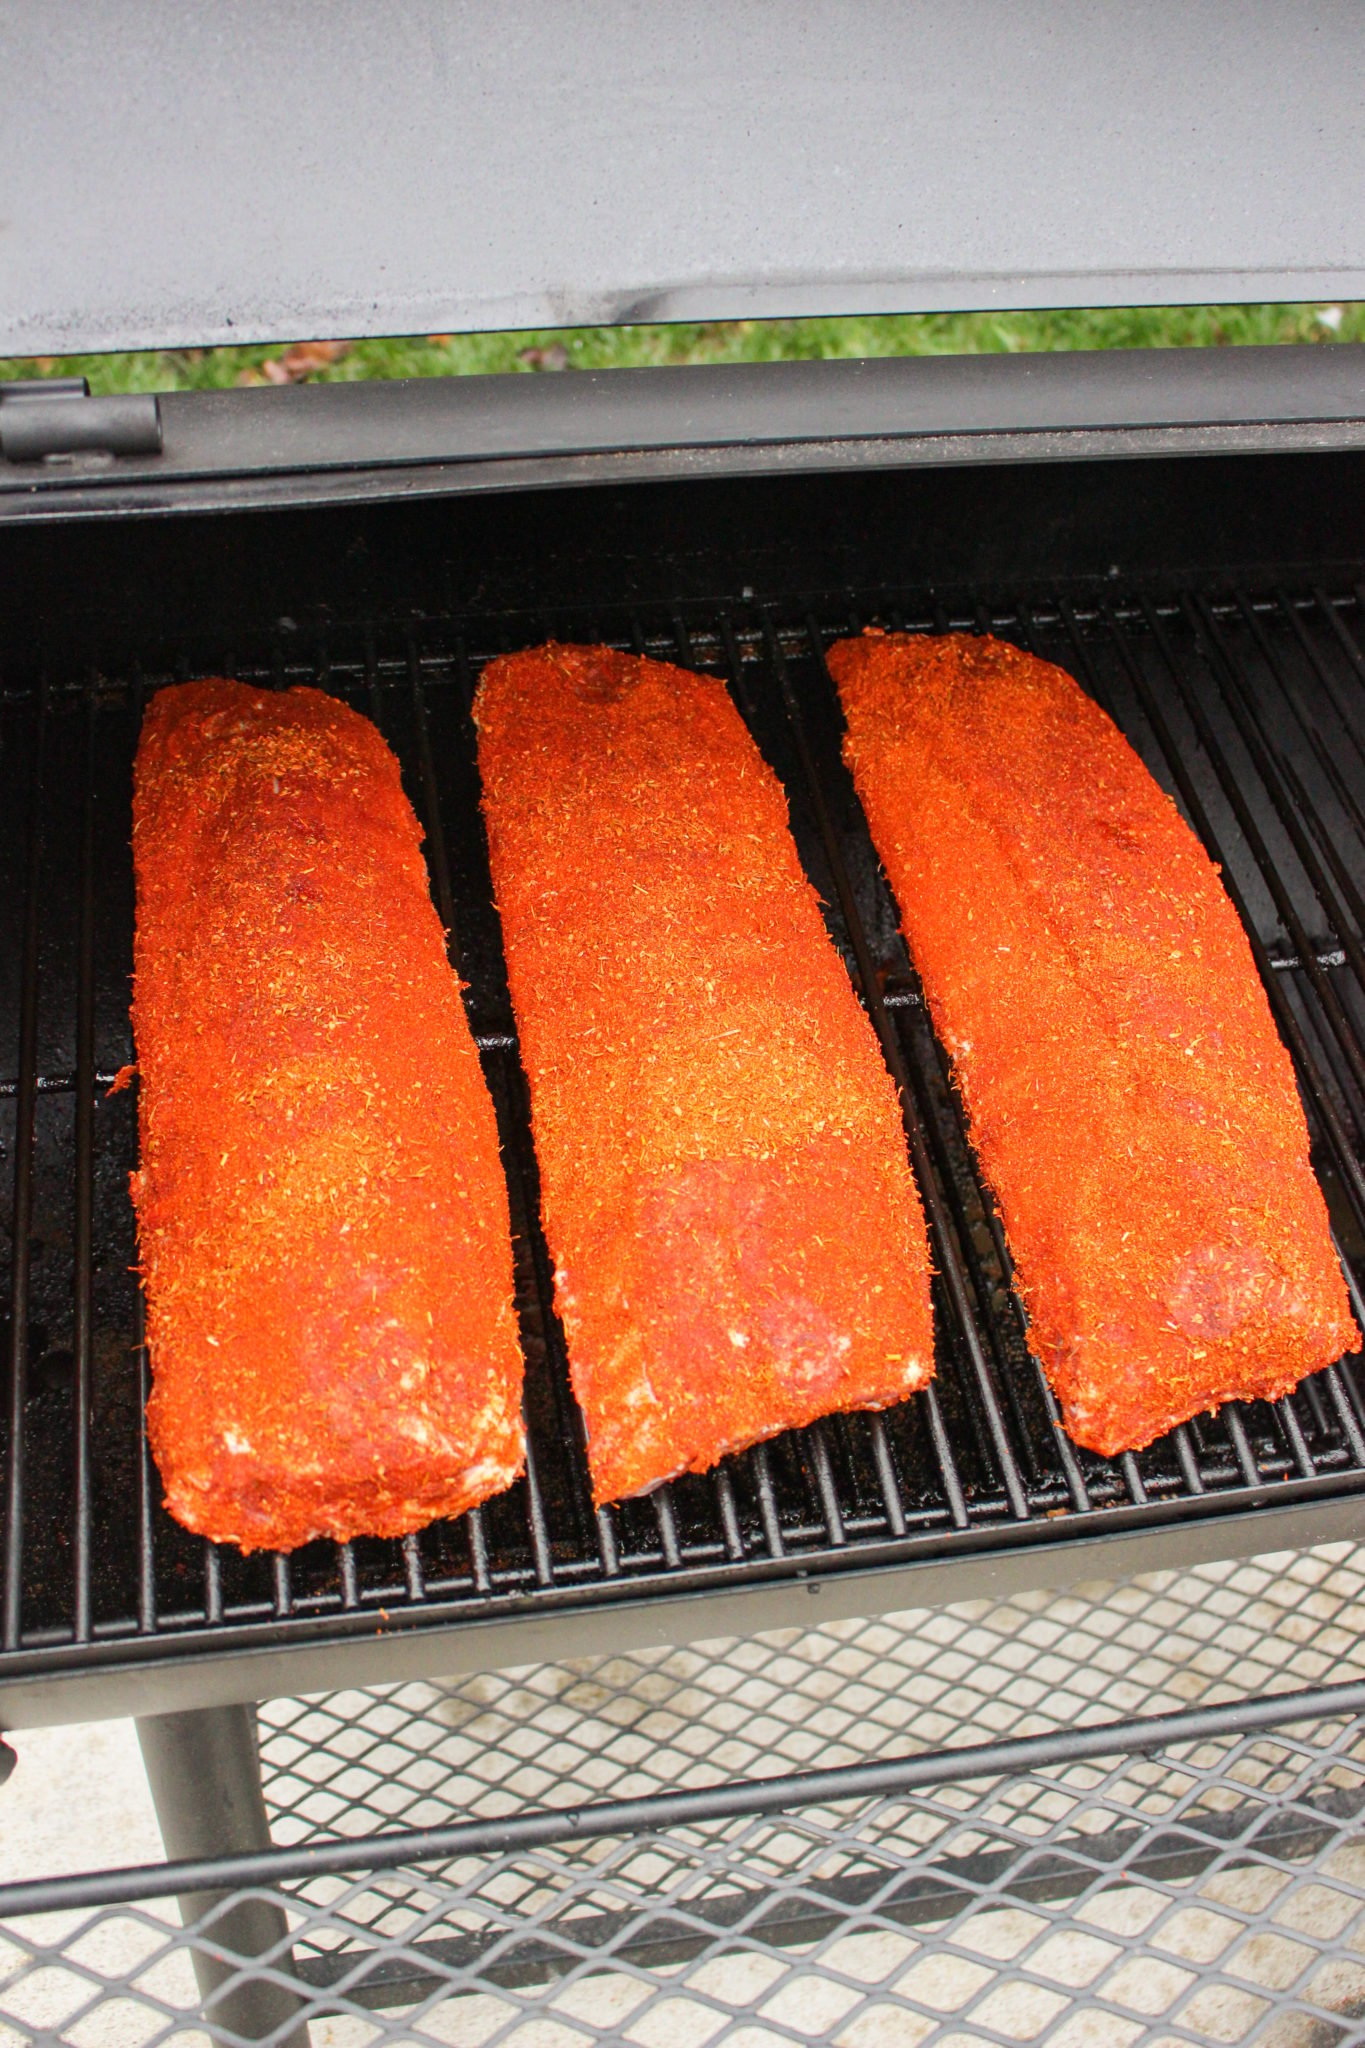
<point x="205" y="1776"/>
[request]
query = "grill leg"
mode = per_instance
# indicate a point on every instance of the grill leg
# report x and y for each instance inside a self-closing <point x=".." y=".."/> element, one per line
<point x="204" y="1771"/>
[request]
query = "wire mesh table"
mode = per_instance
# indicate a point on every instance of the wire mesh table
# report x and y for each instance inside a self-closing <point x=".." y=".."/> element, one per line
<point x="1156" y="1838"/>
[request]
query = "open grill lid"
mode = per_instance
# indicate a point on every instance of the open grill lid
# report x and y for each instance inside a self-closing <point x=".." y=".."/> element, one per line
<point x="216" y="173"/>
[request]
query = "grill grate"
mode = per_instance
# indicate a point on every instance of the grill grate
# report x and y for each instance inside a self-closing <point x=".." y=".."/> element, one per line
<point x="1248" y="707"/>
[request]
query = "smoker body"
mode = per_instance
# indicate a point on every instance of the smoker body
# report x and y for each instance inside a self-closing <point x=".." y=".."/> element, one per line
<point x="1187" y="538"/>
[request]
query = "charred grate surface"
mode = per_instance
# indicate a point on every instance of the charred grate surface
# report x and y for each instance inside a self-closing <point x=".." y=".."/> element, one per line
<point x="1249" y="707"/>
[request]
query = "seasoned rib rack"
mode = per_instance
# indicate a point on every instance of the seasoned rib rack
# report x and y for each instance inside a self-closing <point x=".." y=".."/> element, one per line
<point x="1129" y="1099"/>
<point x="1245" y="704"/>
<point x="721" y="1155"/>
<point x="322" y="1215"/>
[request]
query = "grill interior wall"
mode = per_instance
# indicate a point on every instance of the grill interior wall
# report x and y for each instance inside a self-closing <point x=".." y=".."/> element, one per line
<point x="1247" y="705"/>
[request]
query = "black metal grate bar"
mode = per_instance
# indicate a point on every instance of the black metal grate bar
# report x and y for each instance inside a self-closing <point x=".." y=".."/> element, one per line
<point x="146" y="1492"/>
<point x="1213" y="649"/>
<point x="944" y="1246"/>
<point x="513" y="1097"/>
<point x="1307" y="953"/>
<point x="83" y="1245"/>
<point x="1247" y="705"/>
<point x="1312" y="731"/>
<point x="23" y="1194"/>
<point x="213" y="1584"/>
<point x="1246" y="1462"/>
<point x="1277" y="772"/>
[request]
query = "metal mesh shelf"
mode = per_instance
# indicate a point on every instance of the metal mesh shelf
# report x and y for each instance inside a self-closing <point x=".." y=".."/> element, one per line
<point x="630" y="1725"/>
<point x="1208" y="1885"/>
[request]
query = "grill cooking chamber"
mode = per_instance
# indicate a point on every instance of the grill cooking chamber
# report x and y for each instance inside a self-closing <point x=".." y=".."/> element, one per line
<point x="1212" y="605"/>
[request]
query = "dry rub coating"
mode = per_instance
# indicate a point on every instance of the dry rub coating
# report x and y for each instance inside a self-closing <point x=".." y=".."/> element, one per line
<point x="1129" y="1098"/>
<point x="737" y="1238"/>
<point x="321" y="1212"/>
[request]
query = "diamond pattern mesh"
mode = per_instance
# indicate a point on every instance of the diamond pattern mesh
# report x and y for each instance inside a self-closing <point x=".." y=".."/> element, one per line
<point x="1214" y="1892"/>
<point x="628" y="1725"/>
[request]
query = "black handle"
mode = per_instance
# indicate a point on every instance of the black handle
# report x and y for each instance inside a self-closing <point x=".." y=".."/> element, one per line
<point x="34" y="426"/>
<point x="47" y="387"/>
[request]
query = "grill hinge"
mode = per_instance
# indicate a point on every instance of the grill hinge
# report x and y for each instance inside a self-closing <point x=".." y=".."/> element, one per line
<point x="56" y="416"/>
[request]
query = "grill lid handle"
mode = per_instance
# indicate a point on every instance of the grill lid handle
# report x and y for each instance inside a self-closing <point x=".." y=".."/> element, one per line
<point x="56" y="416"/>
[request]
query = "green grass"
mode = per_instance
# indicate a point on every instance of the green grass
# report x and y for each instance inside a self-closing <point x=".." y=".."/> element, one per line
<point x="734" y="341"/>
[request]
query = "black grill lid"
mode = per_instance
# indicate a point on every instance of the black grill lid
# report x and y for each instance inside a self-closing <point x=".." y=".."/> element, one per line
<point x="216" y="172"/>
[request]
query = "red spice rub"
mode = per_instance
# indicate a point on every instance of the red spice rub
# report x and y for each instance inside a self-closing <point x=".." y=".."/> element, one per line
<point x="321" y="1211"/>
<point x="1129" y="1098"/>
<point x="738" y="1242"/>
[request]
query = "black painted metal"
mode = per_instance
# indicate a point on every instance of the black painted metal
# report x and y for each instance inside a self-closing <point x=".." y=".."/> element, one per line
<point x="25" y="1091"/>
<point x="35" y="424"/>
<point x="327" y="443"/>
<point x="1247" y="704"/>
<point x="204" y="1773"/>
